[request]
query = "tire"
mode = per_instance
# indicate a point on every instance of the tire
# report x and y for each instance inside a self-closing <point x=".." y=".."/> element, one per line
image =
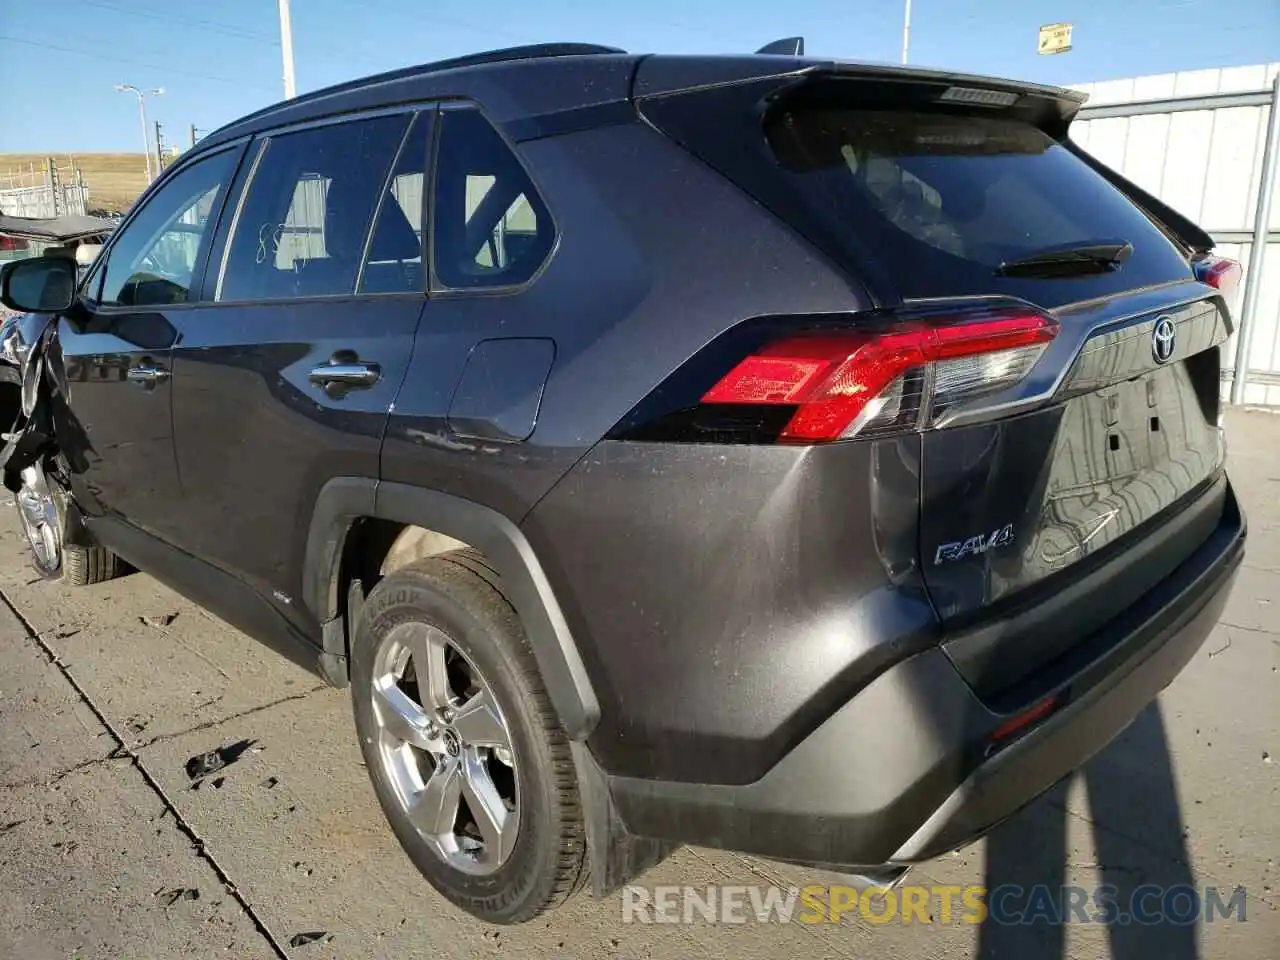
<point x="454" y="601"/>
<point x="82" y="566"/>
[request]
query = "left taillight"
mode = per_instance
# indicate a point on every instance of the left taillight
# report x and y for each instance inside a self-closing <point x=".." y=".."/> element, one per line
<point x="818" y="384"/>
<point x="846" y="384"/>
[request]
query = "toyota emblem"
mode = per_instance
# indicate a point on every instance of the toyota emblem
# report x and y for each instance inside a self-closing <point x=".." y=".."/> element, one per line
<point x="1163" y="340"/>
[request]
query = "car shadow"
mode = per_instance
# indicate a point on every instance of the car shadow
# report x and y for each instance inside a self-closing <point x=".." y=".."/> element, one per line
<point x="1138" y="835"/>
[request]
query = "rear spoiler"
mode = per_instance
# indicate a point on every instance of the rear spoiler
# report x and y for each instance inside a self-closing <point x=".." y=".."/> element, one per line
<point x="1182" y="229"/>
<point x="782" y="64"/>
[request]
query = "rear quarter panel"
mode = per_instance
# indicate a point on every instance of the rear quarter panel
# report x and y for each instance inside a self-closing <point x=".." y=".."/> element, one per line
<point x="656" y="255"/>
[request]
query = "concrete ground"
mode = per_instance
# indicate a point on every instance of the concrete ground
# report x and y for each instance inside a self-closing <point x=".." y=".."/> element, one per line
<point x="103" y="841"/>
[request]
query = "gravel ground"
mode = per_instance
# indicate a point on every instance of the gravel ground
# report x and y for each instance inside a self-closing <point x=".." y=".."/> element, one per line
<point x="107" y="852"/>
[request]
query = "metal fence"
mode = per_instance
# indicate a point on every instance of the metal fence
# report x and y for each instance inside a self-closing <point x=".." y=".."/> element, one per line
<point x="1206" y="143"/>
<point x="52" y="189"/>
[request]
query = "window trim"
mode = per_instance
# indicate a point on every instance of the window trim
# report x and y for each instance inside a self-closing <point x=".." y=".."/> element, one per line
<point x="437" y="288"/>
<point x="98" y="274"/>
<point x="264" y="138"/>
<point x="414" y="120"/>
<point x="261" y="145"/>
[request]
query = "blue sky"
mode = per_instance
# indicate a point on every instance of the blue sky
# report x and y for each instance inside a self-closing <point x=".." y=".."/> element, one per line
<point x="220" y="59"/>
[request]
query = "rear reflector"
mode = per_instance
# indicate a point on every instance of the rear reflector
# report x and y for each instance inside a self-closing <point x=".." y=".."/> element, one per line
<point x="842" y="383"/>
<point x="1022" y="721"/>
<point x="1220" y="273"/>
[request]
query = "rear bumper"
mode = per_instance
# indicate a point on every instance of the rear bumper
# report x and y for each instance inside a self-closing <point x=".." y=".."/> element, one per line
<point x="905" y="771"/>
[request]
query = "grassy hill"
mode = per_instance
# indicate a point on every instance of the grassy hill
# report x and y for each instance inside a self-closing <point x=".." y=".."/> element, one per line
<point x="115" y="179"/>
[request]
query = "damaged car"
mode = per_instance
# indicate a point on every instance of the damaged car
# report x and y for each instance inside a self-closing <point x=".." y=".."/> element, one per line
<point x="801" y="457"/>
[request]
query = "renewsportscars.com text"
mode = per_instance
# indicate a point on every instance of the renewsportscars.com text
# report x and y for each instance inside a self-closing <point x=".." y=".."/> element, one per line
<point x="912" y="903"/>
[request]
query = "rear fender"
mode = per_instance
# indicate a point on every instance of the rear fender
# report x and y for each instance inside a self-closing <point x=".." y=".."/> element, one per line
<point x="616" y="856"/>
<point x="345" y="499"/>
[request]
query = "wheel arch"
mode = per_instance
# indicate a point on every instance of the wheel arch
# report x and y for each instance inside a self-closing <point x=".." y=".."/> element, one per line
<point x="347" y="506"/>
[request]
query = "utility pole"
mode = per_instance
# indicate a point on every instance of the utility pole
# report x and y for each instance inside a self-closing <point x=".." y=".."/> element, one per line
<point x="159" y="149"/>
<point x="906" y="30"/>
<point x="286" y="49"/>
<point x="193" y="135"/>
<point x="55" y="187"/>
<point x="142" y="114"/>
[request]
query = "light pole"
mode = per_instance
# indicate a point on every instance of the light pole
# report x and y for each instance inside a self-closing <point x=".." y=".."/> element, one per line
<point x="906" y="30"/>
<point x="286" y="49"/>
<point x="142" y="113"/>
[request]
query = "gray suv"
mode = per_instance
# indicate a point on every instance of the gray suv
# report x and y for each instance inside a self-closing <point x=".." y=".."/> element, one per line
<point x="794" y="456"/>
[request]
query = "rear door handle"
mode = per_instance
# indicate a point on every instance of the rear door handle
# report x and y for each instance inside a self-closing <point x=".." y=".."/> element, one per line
<point x="357" y="374"/>
<point x="145" y="375"/>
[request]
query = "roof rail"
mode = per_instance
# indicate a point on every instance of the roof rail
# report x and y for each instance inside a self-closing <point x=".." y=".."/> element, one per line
<point x="532" y="51"/>
<point x="790" y="47"/>
<point x="529" y="52"/>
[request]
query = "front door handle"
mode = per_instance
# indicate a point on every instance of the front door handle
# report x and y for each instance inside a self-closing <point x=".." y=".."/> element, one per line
<point x="348" y="375"/>
<point x="145" y="375"/>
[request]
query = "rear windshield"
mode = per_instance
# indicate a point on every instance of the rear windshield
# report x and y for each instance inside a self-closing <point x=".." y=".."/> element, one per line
<point x="944" y="200"/>
<point x="926" y="201"/>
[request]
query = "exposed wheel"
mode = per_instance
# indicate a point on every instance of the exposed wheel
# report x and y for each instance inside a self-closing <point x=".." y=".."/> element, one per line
<point x="42" y="510"/>
<point x="41" y="521"/>
<point x="464" y="750"/>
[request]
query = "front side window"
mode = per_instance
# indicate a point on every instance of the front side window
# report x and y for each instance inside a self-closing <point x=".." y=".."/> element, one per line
<point x="302" y="226"/>
<point x="491" y="227"/>
<point x="153" y="260"/>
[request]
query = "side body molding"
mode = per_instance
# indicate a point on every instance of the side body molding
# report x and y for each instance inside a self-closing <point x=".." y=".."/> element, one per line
<point x="344" y="499"/>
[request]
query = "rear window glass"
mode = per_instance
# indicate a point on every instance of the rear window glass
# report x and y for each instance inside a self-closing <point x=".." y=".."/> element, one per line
<point x="942" y="200"/>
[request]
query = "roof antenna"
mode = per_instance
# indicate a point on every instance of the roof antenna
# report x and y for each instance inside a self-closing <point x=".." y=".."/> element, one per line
<point x="790" y="47"/>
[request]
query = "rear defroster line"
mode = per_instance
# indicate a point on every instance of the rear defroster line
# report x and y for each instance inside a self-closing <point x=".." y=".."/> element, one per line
<point x="123" y="750"/>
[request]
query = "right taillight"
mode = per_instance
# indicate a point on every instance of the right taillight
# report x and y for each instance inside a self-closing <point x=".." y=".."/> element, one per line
<point x="1220" y="273"/>
<point x="838" y="385"/>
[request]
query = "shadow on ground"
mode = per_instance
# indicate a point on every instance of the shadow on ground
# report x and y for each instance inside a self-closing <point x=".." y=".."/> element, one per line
<point x="1131" y="793"/>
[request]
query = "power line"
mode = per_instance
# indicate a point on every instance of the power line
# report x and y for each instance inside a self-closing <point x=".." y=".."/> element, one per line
<point x="216" y="25"/>
<point x="137" y="63"/>
<point x="433" y="19"/>
<point x="231" y="30"/>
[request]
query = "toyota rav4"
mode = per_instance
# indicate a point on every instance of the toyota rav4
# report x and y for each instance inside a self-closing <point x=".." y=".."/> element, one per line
<point x="793" y="456"/>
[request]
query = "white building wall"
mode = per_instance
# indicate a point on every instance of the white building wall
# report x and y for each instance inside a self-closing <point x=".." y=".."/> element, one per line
<point x="1206" y="164"/>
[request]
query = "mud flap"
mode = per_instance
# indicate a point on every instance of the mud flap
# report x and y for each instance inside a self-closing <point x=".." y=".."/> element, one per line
<point x="616" y="856"/>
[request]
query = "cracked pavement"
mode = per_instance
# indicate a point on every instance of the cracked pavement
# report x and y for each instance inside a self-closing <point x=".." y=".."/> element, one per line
<point x="103" y="839"/>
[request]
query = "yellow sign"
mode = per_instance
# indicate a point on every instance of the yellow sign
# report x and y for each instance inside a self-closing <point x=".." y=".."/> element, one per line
<point x="1055" y="38"/>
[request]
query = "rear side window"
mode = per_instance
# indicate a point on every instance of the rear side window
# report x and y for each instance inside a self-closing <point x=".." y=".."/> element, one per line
<point x="920" y="200"/>
<point x="491" y="228"/>
<point x="301" y="229"/>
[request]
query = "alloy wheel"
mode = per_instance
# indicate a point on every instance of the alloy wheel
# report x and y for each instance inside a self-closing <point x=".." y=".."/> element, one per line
<point x="445" y="748"/>
<point x="40" y="521"/>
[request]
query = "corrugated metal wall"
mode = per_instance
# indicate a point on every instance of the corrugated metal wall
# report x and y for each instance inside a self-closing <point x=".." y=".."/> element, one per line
<point x="1207" y="163"/>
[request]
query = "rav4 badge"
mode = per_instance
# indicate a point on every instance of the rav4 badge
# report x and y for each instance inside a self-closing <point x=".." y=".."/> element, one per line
<point x="973" y="546"/>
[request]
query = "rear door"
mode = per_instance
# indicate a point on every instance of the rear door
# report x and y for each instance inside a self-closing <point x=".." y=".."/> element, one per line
<point x="1017" y="504"/>
<point x="945" y="198"/>
<point x="286" y="378"/>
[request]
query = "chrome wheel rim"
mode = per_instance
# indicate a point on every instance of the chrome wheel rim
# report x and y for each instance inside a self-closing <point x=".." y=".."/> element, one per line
<point x="445" y="748"/>
<point x="39" y="513"/>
